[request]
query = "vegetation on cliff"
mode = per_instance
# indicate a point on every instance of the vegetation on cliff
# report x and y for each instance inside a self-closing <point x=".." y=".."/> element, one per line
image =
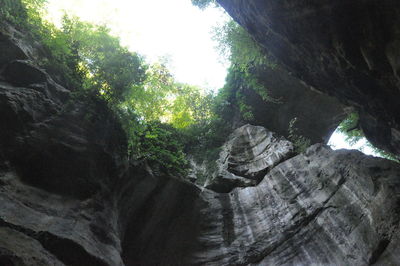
<point x="162" y="118"/>
<point x="89" y="61"/>
<point x="351" y="128"/>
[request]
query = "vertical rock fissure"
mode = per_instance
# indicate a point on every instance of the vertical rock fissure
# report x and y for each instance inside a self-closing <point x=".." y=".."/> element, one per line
<point x="376" y="254"/>
<point x="228" y="227"/>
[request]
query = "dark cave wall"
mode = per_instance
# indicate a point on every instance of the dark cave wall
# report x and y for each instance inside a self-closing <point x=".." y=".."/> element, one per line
<point x="317" y="115"/>
<point x="347" y="49"/>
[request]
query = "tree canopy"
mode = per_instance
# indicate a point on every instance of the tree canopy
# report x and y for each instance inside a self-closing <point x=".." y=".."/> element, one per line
<point x="202" y="4"/>
<point x="163" y="119"/>
<point x="87" y="59"/>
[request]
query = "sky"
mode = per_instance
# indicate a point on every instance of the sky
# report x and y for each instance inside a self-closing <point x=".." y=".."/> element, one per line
<point x="337" y="141"/>
<point x="171" y="29"/>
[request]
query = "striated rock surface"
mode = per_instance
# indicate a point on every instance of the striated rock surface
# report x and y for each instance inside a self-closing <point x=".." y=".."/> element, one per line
<point x="321" y="207"/>
<point x="247" y="156"/>
<point x="347" y="49"/>
<point x="68" y="196"/>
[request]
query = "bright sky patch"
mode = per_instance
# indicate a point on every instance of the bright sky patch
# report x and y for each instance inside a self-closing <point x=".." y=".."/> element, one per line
<point x="172" y="29"/>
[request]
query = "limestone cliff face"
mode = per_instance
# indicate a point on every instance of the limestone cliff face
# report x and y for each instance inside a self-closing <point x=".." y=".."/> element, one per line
<point x="347" y="49"/>
<point x="321" y="207"/>
<point x="68" y="196"/>
<point x="247" y="156"/>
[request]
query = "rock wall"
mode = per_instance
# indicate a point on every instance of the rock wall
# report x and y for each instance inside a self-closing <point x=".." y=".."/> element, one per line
<point x="322" y="207"/>
<point x="318" y="114"/>
<point x="347" y="49"/>
<point x="246" y="157"/>
<point x="68" y="196"/>
<point x="59" y="160"/>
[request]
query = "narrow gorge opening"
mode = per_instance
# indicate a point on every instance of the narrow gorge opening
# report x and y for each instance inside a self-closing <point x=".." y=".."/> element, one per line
<point x="145" y="71"/>
<point x="150" y="132"/>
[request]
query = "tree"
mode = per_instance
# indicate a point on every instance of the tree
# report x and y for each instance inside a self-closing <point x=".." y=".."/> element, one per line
<point x="152" y="98"/>
<point x="247" y="58"/>
<point x="202" y="4"/>
<point x="157" y="113"/>
<point x="190" y="106"/>
<point x="351" y="128"/>
<point x="111" y="69"/>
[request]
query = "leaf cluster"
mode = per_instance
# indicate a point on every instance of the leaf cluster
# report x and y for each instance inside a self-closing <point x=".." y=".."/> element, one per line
<point x="300" y="142"/>
<point x="351" y="128"/>
<point x="160" y="145"/>
<point x="91" y="62"/>
<point x="202" y="4"/>
<point x="246" y="56"/>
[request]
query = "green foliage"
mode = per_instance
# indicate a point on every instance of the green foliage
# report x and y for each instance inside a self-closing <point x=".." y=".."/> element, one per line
<point x="300" y="142"/>
<point x="21" y="13"/>
<point x="351" y="128"/>
<point x="232" y="96"/>
<point x="157" y="143"/>
<point x="186" y="109"/>
<point x="203" y="140"/>
<point x="13" y="12"/>
<point x="160" y="144"/>
<point x="110" y="69"/>
<point x="191" y="106"/>
<point x="88" y="60"/>
<point x="79" y="55"/>
<point x="384" y="154"/>
<point x="151" y="100"/>
<point x="246" y="57"/>
<point x="202" y="4"/>
<point x="237" y="45"/>
<point x="57" y="57"/>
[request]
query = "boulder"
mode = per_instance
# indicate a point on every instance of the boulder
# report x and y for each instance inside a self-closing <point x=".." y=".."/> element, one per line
<point x="247" y="156"/>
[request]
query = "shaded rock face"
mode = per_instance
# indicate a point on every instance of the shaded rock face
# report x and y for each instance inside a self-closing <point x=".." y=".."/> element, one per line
<point x="318" y="114"/>
<point x="69" y="197"/>
<point x="57" y="158"/>
<point x="347" y="49"/>
<point x="321" y="207"/>
<point x="245" y="159"/>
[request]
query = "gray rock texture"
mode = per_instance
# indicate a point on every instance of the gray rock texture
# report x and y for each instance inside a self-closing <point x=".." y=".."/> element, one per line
<point x="247" y="156"/>
<point x="57" y="156"/>
<point x="69" y="196"/>
<point x="322" y="207"/>
<point x="347" y="49"/>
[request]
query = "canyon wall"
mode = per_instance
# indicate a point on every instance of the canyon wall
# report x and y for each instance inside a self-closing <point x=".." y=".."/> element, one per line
<point x="70" y="196"/>
<point x="347" y="49"/>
